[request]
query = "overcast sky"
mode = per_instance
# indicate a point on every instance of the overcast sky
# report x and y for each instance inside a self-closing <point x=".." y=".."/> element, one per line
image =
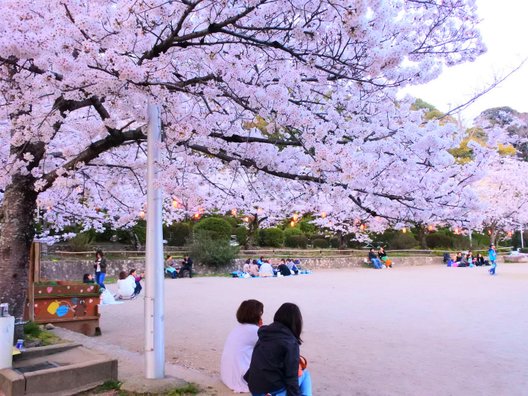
<point x="504" y="29"/>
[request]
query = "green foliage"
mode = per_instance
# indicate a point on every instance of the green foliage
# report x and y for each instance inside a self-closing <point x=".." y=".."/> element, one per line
<point x="189" y="389"/>
<point x="215" y="227"/>
<point x="32" y="329"/>
<point x="109" y="385"/>
<point x="289" y="233"/>
<point x="211" y="251"/>
<point x="306" y="226"/>
<point x="34" y="333"/>
<point x="321" y="243"/>
<point x="272" y="237"/>
<point x="403" y="241"/>
<point x="241" y="234"/>
<point x="177" y="234"/>
<point x="297" y="241"/>
<point x="439" y="240"/>
<point x="334" y="243"/>
<point x="81" y="242"/>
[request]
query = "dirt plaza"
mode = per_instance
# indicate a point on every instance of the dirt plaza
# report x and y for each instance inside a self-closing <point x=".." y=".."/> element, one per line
<point x="426" y="330"/>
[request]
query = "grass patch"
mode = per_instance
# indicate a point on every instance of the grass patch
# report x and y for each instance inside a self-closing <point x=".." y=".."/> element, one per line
<point x="109" y="385"/>
<point x="112" y="385"/>
<point x="186" y="390"/>
<point x="35" y="333"/>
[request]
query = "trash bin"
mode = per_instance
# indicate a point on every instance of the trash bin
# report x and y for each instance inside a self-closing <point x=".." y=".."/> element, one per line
<point x="7" y="333"/>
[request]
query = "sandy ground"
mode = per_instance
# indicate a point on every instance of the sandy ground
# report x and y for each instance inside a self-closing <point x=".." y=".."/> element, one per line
<point x="403" y="331"/>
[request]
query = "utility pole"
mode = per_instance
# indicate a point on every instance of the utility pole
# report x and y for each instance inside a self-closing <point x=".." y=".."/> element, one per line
<point x="154" y="292"/>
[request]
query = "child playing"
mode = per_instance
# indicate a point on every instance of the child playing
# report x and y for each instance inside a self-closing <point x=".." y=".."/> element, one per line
<point x="137" y="278"/>
<point x="492" y="255"/>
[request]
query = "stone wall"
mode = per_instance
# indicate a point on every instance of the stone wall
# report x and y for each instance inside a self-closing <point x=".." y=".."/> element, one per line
<point x="72" y="269"/>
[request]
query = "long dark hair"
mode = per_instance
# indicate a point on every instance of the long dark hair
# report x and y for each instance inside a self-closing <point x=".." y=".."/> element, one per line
<point x="290" y="316"/>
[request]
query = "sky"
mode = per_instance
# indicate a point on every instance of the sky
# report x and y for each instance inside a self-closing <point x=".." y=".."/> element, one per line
<point x="504" y="30"/>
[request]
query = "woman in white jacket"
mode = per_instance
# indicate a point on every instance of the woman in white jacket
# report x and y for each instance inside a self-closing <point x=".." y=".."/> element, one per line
<point x="125" y="286"/>
<point x="239" y="345"/>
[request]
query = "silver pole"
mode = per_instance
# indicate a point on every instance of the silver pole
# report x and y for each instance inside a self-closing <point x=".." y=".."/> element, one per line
<point x="154" y="293"/>
<point x="522" y="239"/>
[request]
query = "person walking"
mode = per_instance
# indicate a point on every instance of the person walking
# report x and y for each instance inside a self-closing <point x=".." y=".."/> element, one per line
<point x="100" y="268"/>
<point x="492" y="256"/>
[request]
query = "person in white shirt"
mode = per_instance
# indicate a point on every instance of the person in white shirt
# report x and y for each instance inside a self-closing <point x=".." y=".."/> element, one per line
<point x="239" y="345"/>
<point x="266" y="270"/>
<point x="125" y="285"/>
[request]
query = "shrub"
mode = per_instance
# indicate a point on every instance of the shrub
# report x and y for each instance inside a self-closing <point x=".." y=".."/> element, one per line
<point x="290" y="233"/>
<point x="81" y="242"/>
<point x="403" y="241"/>
<point x="334" y="243"/>
<point x="272" y="237"/>
<point x="298" y="241"/>
<point x="215" y="227"/>
<point x="177" y="234"/>
<point x="210" y="251"/>
<point x="241" y="234"/>
<point x="320" y="243"/>
<point x="439" y="240"/>
<point x="307" y="227"/>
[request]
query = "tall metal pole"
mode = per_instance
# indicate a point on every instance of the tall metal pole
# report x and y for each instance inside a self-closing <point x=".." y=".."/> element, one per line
<point x="522" y="237"/>
<point x="154" y="293"/>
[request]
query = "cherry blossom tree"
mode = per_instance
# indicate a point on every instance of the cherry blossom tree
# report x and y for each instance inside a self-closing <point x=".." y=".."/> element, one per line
<point x="279" y="104"/>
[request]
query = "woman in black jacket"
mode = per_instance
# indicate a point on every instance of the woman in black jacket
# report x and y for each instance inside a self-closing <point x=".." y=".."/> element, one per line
<point x="100" y="268"/>
<point x="274" y="367"/>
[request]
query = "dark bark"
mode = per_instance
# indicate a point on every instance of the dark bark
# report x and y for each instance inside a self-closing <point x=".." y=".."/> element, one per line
<point x="421" y="234"/>
<point x="16" y="236"/>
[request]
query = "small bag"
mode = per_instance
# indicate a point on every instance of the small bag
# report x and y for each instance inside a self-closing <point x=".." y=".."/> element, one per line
<point x="303" y="363"/>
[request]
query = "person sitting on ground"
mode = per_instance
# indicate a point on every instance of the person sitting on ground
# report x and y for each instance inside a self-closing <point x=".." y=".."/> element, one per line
<point x="479" y="260"/>
<point x="266" y="270"/>
<point x="125" y="286"/>
<point x="88" y="278"/>
<point x="382" y="255"/>
<point x="254" y="269"/>
<point x="460" y="260"/>
<point x="296" y="266"/>
<point x="239" y="345"/>
<point x="170" y="267"/>
<point x="246" y="267"/>
<point x="283" y="268"/>
<point x="260" y="261"/>
<point x="373" y="257"/>
<point x="276" y="366"/>
<point x="469" y="258"/>
<point x="137" y="280"/>
<point x="186" y="265"/>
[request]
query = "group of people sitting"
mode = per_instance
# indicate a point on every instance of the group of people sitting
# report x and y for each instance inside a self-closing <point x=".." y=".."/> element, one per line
<point x="266" y="268"/>
<point x="465" y="260"/>
<point x="379" y="259"/>
<point x="175" y="270"/>
<point x="128" y="285"/>
<point x="265" y="359"/>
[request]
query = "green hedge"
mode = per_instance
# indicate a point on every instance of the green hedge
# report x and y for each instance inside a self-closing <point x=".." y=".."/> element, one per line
<point x="272" y="237"/>
<point x="215" y="227"/>
<point x="290" y="236"/>
<point x="321" y="243"/>
<point x="212" y="252"/>
<point x="177" y="234"/>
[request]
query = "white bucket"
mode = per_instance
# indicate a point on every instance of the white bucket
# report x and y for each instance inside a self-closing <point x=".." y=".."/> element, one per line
<point x="7" y="333"/>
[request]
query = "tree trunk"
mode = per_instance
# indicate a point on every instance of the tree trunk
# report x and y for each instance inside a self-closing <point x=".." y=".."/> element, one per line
<point x="420" y="228"/>
<point x="16" y="235"/>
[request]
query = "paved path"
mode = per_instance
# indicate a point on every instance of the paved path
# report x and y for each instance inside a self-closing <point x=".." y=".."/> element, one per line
<point x="407" y="331"/>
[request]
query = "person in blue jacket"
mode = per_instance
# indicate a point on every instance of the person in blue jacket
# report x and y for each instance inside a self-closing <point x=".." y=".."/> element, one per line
<point x="492" y="256"/>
